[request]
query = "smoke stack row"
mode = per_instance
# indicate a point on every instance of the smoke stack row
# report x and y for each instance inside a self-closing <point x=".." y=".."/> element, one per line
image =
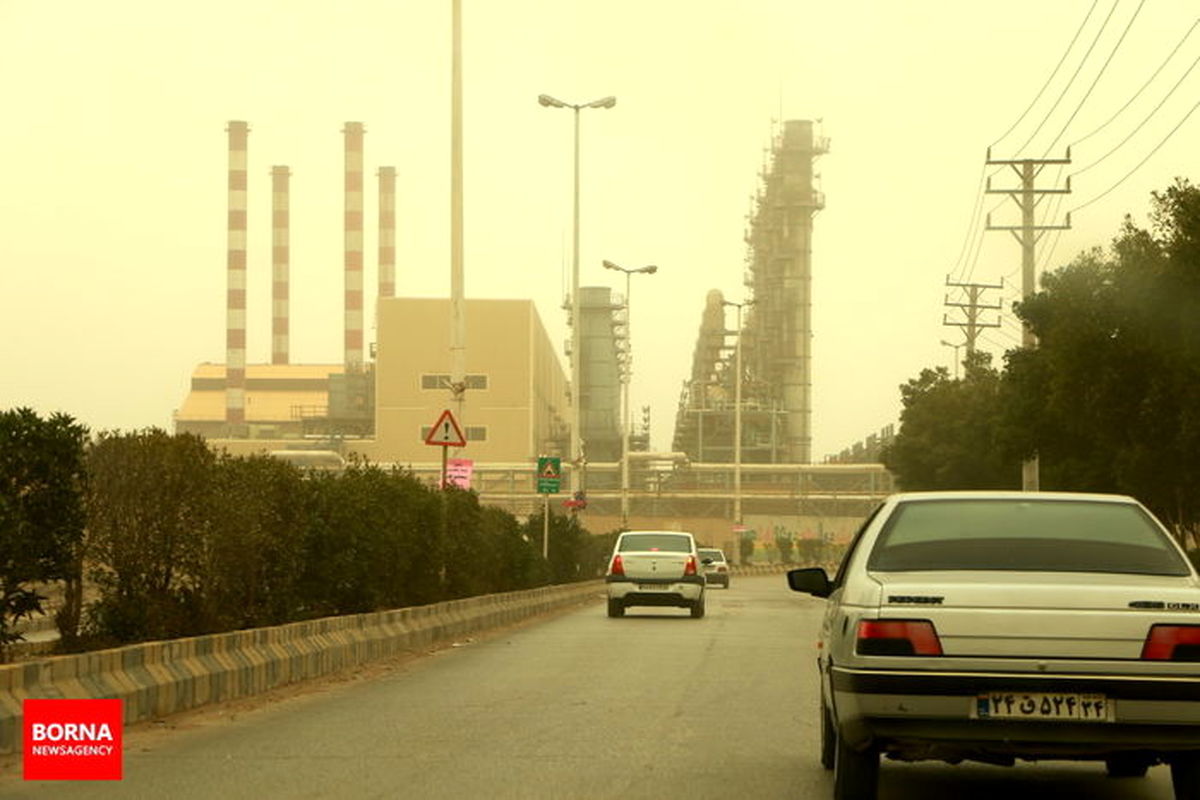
<point x="235" y="326"/>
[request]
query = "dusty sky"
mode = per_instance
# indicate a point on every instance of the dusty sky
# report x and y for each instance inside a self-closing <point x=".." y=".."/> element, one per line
<point x="112" y="196"/>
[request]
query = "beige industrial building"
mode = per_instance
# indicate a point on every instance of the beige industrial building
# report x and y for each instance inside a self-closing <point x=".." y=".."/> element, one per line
<point x="516" y="397"/>
<point x="516" y="391"/>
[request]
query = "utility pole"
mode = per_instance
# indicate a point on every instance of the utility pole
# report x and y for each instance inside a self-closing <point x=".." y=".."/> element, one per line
<point x="1027" y="198"/>
<point x="972" y="307"/>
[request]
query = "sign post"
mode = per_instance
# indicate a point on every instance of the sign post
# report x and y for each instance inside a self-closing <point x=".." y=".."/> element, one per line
<point x="445" y="434"/>
<point x="549" y="477"/>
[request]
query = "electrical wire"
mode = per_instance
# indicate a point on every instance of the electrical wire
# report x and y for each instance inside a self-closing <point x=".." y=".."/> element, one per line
<point x="1144" y="121"/>
<point x="1138" y="93"/>
<point x="1071" y="82"/>
<point x="1140" y="163"/>
<point x="1096" y="80"/>
<point x="1046" y="85"/>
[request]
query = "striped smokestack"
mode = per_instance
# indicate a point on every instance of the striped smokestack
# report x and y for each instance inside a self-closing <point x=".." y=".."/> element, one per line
<point x="354" y="245"/>
<point x="280" y="259"/>
<point x="387" y="231"/>
<point x="235" y="296"/>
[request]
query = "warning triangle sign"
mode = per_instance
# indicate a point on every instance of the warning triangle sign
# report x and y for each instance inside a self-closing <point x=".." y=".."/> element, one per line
<point x="446" y="433"/>
<point x="550" y="470"/>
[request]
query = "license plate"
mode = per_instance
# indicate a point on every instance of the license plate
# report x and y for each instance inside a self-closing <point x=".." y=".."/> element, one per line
<point x="654" y="587"/>
<point x="1044" y="706"/>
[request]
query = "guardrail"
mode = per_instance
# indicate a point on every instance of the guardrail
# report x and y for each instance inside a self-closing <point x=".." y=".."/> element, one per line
<point x="156" y="679"/>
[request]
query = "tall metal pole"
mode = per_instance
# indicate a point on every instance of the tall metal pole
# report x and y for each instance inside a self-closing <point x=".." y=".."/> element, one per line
<point x="576" y="338"/>
<point x="737" y="423"/>
<point x="628" y="378"/>
<point x="458" y="314"/>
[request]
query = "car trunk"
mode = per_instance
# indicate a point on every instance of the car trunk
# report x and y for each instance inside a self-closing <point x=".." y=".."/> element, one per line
<point x="654" y="565"/>
<point x="1039" y="615"/>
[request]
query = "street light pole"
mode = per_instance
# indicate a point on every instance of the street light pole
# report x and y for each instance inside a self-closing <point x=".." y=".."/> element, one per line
<point x="576" y="344"/>
<point x="737" y="413"/>
<point x="627" y="378"/>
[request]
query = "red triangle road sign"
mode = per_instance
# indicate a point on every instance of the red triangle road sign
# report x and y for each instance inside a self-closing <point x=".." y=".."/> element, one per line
<point x="446" y="433"/>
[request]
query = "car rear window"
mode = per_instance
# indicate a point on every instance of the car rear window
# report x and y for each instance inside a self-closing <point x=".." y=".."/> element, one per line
<point x="715" y="555"/>
<point x="1039" y="536"/>
<point x="667" y="542"/>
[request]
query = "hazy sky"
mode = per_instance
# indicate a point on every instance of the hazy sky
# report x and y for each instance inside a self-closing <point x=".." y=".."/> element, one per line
<point x="113" y="203"/>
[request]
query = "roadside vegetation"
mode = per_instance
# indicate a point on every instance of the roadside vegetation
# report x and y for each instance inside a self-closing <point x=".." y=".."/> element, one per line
<point x="172" y="539"/>
<point x="1110" y="398"/>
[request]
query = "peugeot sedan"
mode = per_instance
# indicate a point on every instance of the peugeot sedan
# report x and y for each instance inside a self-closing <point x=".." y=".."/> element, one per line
<point x="998" y="626"/>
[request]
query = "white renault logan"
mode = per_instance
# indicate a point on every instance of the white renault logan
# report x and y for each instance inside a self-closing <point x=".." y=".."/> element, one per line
<point x="997" y="626"/>
<point x="655" y="568"/>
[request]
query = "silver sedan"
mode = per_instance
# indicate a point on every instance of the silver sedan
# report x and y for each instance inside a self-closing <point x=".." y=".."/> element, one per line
<point x="998" y="626"/>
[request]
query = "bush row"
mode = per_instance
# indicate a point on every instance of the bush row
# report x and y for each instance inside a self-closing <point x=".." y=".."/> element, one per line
<point x="177" y="540"/>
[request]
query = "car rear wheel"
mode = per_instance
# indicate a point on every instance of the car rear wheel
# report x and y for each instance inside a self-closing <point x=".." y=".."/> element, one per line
<point x="828" y="738"/>
<point x="855" y="772"/>
<point x="1126" y="765"/>
<point x="698" y="607"/>
<point x="616" y="608"/>
<point x="1185" y="776"/>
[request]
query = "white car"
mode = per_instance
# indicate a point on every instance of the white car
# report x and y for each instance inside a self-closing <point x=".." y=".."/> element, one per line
<point x="997" y="626"/>
<point x="655" y="568"/>
<point x="714" y="565"/>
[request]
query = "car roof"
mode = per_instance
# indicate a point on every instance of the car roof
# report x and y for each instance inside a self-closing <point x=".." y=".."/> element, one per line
<point x="903" y="497"/>
<point x="677" y="533"/>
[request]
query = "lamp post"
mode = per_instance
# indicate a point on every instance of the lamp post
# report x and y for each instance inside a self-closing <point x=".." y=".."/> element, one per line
<point x="576" y="354"/>
<point x="956" y="361"/>
<point x="626" y="379"/>
<point x="737" y="413"/>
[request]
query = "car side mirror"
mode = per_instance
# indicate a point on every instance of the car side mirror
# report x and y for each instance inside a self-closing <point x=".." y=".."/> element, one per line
<point x="706" y="561"/>
<point x="810" y="580"/>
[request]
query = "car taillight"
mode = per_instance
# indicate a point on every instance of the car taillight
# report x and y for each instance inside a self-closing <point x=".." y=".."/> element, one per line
<point x="690" y="567"/>
<point x="898" y="637"/>
<point x="616" y="568"/>
<point x="1172" y="643"/>
<point x="721" y="568"/>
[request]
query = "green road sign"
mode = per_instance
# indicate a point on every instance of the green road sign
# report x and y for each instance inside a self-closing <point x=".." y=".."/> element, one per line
<point x="549" y="473"/>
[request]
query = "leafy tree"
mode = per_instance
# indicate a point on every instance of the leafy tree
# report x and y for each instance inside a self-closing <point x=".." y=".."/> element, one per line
<point x="41" y="515"/>
<point x="148" y="500"/>
<point x="950" y="436"/>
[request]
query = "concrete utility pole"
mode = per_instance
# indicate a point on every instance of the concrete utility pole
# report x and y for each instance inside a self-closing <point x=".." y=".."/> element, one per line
<point x="1027" y="198"/>
<point x="458" y="304"/>
<point x="737" y="413"/>
<point x="972" y="326"/>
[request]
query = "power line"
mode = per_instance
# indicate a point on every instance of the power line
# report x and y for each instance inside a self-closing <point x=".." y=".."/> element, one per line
<point x="1144" y="121"/>
<point x="1071" y="82"/>
<point x="1140" y="163"/>
<point x="1138" y="93"/>
<point x="1046" y="85"/>
<point x="1096" y="80"/>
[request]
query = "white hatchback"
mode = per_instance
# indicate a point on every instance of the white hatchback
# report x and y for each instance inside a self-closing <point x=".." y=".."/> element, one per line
<point x="655" y="568"/>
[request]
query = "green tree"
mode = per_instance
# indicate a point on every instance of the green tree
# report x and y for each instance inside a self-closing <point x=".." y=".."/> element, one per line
<point x="148" y="502"/>
<point x="951" y="433"/>
<point x="42" y="480"/>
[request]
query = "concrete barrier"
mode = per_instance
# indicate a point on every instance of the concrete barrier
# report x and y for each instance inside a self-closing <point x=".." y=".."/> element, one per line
<point x="160" y="678"/>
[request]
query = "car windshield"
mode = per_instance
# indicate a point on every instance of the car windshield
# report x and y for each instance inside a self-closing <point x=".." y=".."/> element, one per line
<point x="668" y="542"/>
<point x="715" y="555"/>
<point x="1039" y="536"/>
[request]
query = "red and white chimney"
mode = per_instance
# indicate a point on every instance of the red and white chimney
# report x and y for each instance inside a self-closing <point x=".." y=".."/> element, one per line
<point x="280" y="263"/>
<point x="354" y="246"/>
<point x="235" y="295"/>
<point x="387" y="231"/>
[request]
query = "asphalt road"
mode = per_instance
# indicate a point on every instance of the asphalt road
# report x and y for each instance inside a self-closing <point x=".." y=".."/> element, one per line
<point x="654" y="705"/>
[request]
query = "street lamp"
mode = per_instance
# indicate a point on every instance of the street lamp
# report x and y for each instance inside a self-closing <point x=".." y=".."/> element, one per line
<point x="956" y="361"/>
<point x="576" y="354"/>
<point x="737" y="413"/>
<point x="626" y="379"/>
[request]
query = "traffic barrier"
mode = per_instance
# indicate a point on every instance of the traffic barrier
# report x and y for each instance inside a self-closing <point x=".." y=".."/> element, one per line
<point x="156" y="679"/>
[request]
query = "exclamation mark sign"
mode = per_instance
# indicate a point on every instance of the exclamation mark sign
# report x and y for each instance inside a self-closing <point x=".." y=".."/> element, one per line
<point x="446" y="431"/>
